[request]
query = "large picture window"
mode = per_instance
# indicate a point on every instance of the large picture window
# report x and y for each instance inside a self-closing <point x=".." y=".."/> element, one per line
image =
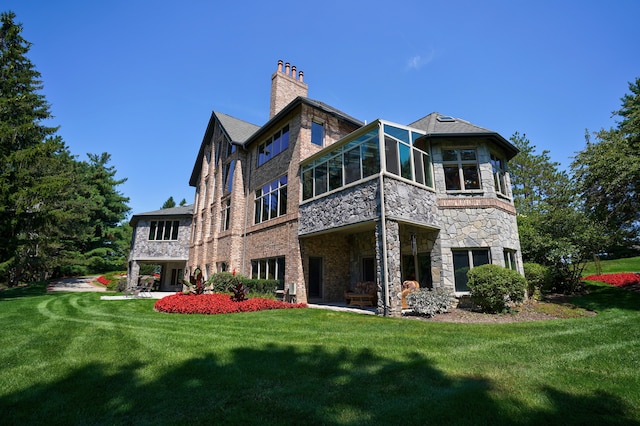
<point x="463" y="260"/>
<point x="460" y="169"/>
<point x="164" y="230"/>
<point x="273" y="146"/>
<point x="268" y="269"/>
<point x="349" y="163"/>
<point x="271" y="200"/>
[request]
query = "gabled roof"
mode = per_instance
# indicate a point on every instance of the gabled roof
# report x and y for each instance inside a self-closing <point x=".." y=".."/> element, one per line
<point x="266" y="128"/>
<point x="439" y="125"/>
<point x="238" y="131"/>
<point x="180" y="211"/>
<point x="244" y="134"/>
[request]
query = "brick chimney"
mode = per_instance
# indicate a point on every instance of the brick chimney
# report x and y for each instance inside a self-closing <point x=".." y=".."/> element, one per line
<point x="286" y="86"/>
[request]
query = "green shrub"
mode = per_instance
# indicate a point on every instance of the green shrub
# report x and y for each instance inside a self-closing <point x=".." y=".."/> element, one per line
<point x="221" y="282"/>
<point x="262" y="286"/>
<point x="73" y="270"/>
<point x="430" y="302"/>
<point x="538" y="278"/>
<point x="493" y="287"/>
<point x="224" y="282"/>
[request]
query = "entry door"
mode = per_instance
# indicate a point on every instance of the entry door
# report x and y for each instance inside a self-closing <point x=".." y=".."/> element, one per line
<point x="315" y="277"/>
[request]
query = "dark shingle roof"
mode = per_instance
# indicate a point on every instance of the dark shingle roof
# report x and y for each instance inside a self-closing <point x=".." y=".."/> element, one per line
<point x="186" y="210"/>
<point x="438" y="125"/>
<point x="237" y="130"/>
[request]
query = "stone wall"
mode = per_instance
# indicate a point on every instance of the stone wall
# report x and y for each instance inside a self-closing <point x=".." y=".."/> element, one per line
<point x="354" y="205"/>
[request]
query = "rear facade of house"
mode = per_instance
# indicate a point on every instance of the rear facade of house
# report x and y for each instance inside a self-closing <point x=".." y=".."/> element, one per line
<point x="322" y="201"/>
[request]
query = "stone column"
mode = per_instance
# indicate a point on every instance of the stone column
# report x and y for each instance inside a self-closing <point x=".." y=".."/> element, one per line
<point x="390" y="248"/>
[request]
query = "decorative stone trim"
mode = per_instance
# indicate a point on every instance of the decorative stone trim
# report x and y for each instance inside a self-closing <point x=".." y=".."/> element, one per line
<point x="476" y="203"/>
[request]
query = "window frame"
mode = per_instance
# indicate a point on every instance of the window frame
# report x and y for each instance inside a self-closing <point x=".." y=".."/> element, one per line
<point x="460" y="165"/>
<point x="510" y="259"/>
<point x="161" y="231"/>
<point x="225" y="214"/>
<point x="471" y="253"/>
<point x="262" y="267"/>
<point x="275" y="192"/>
<point x="317" y="126"/>
<point x="274" y="145"/>
<point x="499" y="171"/>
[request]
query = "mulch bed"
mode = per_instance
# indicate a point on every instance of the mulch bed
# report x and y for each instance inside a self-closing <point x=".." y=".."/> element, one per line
<point x="553" y="306"/>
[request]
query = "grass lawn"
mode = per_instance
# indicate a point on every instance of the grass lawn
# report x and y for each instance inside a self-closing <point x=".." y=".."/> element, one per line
<point x="631" y="264"/>
<point x="70" y="358"/>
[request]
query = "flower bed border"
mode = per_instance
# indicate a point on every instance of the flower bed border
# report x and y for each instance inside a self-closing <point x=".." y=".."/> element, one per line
<point x="211" y="304"/>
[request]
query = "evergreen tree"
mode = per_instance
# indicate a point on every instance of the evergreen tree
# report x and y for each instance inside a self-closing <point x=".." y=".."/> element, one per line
<point x="32" y="161"/>
<point x="554" y="229"/>
<point x="104" y="249"/>
<point x="183" y="202"/>
<point x="56" y="213"/>
<point x="607" y="171"/>
<point x="170" y="203"/>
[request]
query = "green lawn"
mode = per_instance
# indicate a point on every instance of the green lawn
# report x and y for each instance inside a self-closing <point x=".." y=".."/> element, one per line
<point x="70" y="358"/>
<point x="631" y="264"/>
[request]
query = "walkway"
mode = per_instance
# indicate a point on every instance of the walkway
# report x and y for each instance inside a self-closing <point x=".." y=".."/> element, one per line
<point x="76" y="284"/>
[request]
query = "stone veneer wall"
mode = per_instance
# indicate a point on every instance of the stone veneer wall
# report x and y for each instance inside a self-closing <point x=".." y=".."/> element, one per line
<point x="144" y="249"/>
<point x="358" y="204"/>
<point x="491" y="228"/>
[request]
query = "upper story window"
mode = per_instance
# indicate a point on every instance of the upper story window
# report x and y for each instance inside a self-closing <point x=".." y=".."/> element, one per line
<point x="229" y="169"/>
<point x="225" y="214"/>
<point x="163" y="230"/>
<point x="499" y="171"/>
<point x="317" y="133"/>
<point x="460" y="169"/>
<point x="271" y="200"/>
<point x="273" y="146"/>
<point x="231" y="148"/>
<point x="406" y="156"/>
<point x="353" y="161"/>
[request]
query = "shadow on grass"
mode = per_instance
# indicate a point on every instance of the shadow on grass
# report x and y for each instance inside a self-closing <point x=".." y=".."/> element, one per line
<point x="29" y="290"/>
<point x="284" y="385"/>
<point x="603" y="296"/>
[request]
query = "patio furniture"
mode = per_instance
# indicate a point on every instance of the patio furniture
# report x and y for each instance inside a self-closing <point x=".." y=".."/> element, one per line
<point x="364" y="294"/>
<point x="143" y="288"/>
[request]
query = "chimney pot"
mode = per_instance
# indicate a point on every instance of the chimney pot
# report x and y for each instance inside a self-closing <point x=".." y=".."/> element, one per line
<point x="301" y="77"/>
<point x="280" y="65"/>
<point x="286" y="68"/>
<point x="294" y="74"/>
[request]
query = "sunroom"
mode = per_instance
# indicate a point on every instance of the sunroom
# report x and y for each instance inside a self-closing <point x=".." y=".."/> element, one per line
<point x="369" y="214"/>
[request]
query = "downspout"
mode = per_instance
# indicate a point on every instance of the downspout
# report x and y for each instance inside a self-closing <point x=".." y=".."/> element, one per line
<point x="246" y="214"/>
<point x="383" y="226"/>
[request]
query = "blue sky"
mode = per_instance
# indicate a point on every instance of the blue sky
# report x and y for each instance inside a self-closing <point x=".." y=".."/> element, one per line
<point x="139" y="79"/>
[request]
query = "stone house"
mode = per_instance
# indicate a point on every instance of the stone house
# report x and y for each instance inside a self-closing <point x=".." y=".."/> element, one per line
<point x="322" y="201"/>
<point x="161" y="238"/>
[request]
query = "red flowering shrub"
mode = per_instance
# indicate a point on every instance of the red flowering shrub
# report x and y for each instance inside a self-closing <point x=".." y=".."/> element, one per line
<point x="102" y="280"/>
<point x="618" y="280"/>
<point x="181" y="303"/>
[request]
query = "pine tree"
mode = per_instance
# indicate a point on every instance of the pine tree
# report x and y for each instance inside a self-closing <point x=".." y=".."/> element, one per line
<point x="32" y="159"/>
<point x="170" y="203"/>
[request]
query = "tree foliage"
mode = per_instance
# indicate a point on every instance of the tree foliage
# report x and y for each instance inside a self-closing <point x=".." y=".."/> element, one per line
<point x="170" y="203"/>
<point x="607" y="171"/>
<point x="554" y="229"/>
<point x="53" y="209"/>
